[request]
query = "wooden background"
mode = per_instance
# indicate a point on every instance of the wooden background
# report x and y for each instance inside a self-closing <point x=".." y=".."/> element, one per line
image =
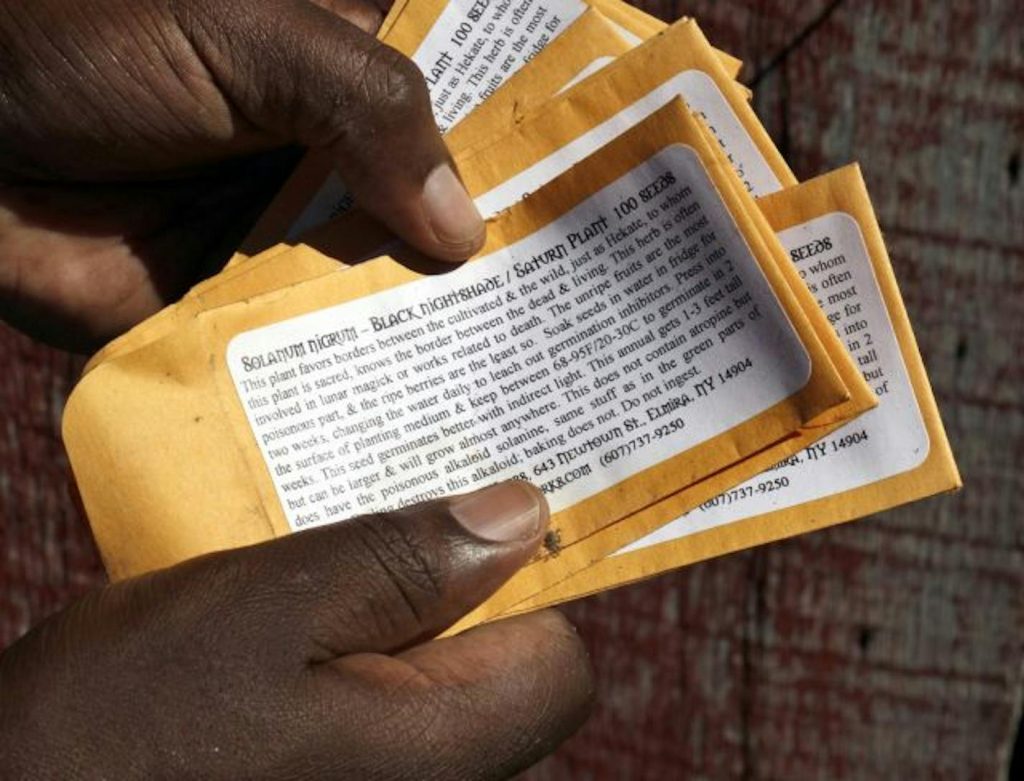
<point x="889" y="648"/>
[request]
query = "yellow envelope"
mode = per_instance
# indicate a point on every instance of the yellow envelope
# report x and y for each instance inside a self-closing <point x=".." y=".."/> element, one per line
<point x="895" y="454"/>
<point x="213" y="435"/>
<point x="862" y="398"/>
<point x="576" y="123"/>
<point x="678" y="62"/>
<point x="576" y="553"/>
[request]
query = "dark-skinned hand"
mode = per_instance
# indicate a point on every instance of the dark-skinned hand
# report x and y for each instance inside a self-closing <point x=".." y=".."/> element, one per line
<point x="137" y="144"/>
<point x="305" y="658"/>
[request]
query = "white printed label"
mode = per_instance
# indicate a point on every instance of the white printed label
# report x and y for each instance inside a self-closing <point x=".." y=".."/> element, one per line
<point x="891" y="439"/>
<point x="471" y="50"/>
<point x="627" y="331"/>
<point x="702" y="96"/>
<point x="476" y="45"/>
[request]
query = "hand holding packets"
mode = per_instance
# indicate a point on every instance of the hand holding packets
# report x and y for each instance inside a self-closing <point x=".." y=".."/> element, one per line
<point x="639" y="336"/>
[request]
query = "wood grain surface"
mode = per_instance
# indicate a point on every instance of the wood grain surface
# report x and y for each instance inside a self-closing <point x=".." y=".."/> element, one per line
<point x="890" y="648"/>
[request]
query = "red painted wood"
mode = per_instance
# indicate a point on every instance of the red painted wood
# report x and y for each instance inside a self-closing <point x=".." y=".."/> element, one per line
<point x="48" y="554"/>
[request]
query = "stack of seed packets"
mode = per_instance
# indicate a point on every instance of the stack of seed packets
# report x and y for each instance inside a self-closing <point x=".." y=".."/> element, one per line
<point x="687" y="350"/>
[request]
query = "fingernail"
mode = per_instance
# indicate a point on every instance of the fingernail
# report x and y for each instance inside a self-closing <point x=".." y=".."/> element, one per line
<point x="505" y="512"/>
<point x="451" y="212"/>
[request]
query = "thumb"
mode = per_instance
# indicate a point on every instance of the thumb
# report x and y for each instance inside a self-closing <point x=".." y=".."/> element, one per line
<point x="299" y="72"/>
<point x="385" y="582"/>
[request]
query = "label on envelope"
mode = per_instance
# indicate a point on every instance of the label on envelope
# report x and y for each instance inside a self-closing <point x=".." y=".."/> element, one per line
<point x="630" y="329"/>
<point x="475" y="46"/>
<point x="891" y="439"/>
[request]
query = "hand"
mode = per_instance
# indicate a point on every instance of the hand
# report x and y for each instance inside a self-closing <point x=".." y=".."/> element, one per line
<point x="135" y="140"/>
<point x="305" y="658"/>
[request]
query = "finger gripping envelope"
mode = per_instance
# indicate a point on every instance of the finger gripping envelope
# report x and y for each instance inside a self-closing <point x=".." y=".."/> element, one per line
<point x="473" y="56"/>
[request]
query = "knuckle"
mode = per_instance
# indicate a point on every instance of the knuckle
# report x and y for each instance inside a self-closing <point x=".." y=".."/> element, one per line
<point x="394" y="85"/>
<point x="387" y="94"/>
<point x="406" y="558"/>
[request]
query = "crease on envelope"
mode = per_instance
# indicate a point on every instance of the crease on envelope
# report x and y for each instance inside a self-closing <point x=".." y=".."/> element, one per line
<point x="678" y="62"/>
<point x="590" y="39"/>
